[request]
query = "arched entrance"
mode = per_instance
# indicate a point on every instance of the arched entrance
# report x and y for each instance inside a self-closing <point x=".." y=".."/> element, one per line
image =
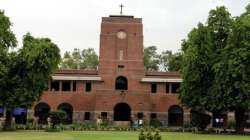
<point x="122" y="112"/>
<point x="121" y="83"/>
<point x="175" y="116"/>
<point x="20" y="115"/>
<point x="42" y="112"/>
<point x="69" y="111"/>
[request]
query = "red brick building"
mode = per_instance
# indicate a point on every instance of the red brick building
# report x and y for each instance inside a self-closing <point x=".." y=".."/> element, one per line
<point x="120" y="89"/>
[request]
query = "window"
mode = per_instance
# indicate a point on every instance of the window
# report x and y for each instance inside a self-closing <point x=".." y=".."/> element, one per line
<point x="121" y="83"/>
<point x="153" y="116"/>
<point x="88" y="87"/>
<point x="104" y="115"/>
<point x="121" y="55"/>
<point x="66" y="85"/>
<point x="120" y="67"/>
<point x="153" y="88"/>
<point x="175" y="87"/>
<point x="54" y="85"/>
<point x="167" y="88"/>
<point x="140" y="115"/>
<point x="74" y="85"/>
<point x="87" y="116"/>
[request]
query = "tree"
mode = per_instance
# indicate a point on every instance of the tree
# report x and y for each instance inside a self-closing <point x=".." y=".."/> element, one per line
<point x="170" y="61"/>
<point x="7" y="41"/>
<point x="201" y="52"/>
<point x="28" y="74"/>
<point x="85" y="59"/>
<point x="90" y="58"/>
<point x="25" y="72"/>
<point x="233" y="70"/>
<point x="151" y="58"/>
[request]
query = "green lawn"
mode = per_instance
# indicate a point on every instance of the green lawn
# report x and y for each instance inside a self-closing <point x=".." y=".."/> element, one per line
<point x="102" y="135"/>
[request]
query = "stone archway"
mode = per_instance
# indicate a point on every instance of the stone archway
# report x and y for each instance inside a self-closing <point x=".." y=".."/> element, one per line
<point x="42" y="112"/>
<point x="69" y="111"/>
<point x="122" y="112"/>
<point x="175" y="116"/>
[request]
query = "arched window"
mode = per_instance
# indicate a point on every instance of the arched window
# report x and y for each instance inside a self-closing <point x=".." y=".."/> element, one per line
<point x="42" y="112"/>
<point x="68" y="108"/>
<point x="121" y="83"/>
<point x="175" y="116"/>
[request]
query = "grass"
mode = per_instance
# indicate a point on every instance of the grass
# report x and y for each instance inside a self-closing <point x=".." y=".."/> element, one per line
<point x="103" y="135"/>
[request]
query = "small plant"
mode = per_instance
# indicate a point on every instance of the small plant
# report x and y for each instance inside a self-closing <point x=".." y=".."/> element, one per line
<point x="142" y="135"/>
<point x="157" y="135"/>
<point x="155" y="123"/>
<point x="149" y="135"/>
<point x="57" y="117"/>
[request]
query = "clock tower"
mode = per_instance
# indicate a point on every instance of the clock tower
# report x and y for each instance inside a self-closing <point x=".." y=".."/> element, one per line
<point x="121" y="47"/>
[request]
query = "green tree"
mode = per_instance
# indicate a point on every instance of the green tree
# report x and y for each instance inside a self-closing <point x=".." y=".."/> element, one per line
<point x="85" y="59"/>
<point x="29" y="70"/>
<point x="90" y="59"/>
<point x="201" y="51"/>
<point x="23" y="73"/>
<point x="151" y="58"/>
<point x="232" y="72"/>
<point x="67" y="62"/>
<point x="170" y="61"/>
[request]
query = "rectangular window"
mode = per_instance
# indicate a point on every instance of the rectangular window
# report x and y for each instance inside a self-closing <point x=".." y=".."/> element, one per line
<point x="120" y="67"/>
<point x="153" y="88"/>
<point x="87" y="116"/>
<point x="175" y="87"/>
<point x="74" y="85"/>
<point x="167" y="88"/>
<point x="88" y="87"/>
<point x="121" y="55"/>
<point x="54" y="86"/>
<point x="66" y="85"/>
<point x="140" y="115"/>
<point x="104" y="115"/>
<point x="153" y="116"/>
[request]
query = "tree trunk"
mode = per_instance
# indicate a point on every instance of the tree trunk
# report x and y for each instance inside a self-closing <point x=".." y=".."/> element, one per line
<point x="240" y="120"/>
<point x="8" y="121"/>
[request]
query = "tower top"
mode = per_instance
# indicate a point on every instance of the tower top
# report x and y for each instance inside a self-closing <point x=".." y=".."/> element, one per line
<point x="121" y="6"/>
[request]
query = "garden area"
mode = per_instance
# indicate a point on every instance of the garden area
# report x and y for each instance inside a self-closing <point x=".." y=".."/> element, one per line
<point x="109" y="135"/>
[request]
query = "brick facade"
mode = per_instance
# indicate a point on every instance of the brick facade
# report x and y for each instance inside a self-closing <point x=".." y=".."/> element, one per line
<point x="121" y="54"/>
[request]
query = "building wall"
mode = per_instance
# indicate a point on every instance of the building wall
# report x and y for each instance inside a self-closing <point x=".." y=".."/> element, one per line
<point x="103" y="96"/>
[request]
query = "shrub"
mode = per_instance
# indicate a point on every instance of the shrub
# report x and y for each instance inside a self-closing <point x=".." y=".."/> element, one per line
<point x="149" y="135"/>
<point x="231" y="124"/>
<point x="157" y="135"/>
<point x="200" y="120"/>
<point x="155" y="123"/>
<point x="142" y="135"/>
<point x="57" y="117"/>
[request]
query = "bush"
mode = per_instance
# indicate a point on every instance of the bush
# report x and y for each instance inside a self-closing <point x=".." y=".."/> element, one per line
<point x="57" y="117"/>
<point x="200" y="120"/>
<point x="157" y="135"/>
<point x="231" y="124"/>
<point x="149" y="135"/>
<point x="142" y="135"/>
<point x="155" y="123"/>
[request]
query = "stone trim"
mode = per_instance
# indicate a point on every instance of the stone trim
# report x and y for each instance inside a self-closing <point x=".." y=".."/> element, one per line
<point x="77" y="78"/>
<point x="164" y="80"/>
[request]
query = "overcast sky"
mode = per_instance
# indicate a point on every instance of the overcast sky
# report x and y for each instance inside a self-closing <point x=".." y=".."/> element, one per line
<point x="76" y="23"/>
